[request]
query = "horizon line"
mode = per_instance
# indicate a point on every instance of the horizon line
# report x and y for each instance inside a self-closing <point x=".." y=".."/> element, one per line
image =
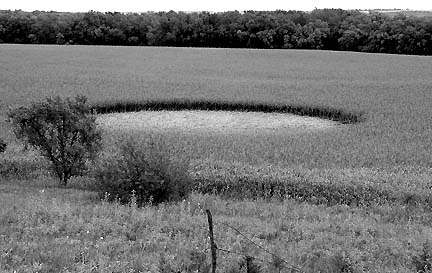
<point x="212" y="11"/>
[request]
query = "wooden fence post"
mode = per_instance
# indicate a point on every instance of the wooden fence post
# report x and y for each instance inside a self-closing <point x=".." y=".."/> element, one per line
<point x="212" y="242"/>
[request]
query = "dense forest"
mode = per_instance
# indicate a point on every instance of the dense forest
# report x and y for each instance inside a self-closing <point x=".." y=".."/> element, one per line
<point x="328" y="29"/>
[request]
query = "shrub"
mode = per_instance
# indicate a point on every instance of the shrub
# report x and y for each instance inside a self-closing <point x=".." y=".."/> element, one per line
<point x="64" y="132"/>
<point x="146" y="170"/>
<point x="2" y="146"/>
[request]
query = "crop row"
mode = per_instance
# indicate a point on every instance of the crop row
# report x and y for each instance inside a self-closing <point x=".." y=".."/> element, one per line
<point x="329" y="187"/>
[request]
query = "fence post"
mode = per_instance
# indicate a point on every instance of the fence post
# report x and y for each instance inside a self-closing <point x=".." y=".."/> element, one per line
<point x="212" y="242"/>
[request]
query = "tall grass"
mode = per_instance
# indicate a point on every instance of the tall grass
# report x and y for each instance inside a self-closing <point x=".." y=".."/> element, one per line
<point x="189" y="104"/>
<point x="18" y="163"/>
<point x="61" y="230"/>
<point x="352" y="187"/>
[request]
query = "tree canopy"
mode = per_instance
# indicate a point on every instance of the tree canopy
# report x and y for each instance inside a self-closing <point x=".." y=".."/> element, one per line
<point x="328" y="29"/>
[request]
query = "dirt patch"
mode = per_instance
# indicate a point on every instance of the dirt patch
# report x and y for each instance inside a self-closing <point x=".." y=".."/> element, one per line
<point x="214" y="121"/>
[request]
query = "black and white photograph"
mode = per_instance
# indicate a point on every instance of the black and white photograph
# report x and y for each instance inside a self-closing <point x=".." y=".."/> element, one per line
<point x="215" y="136"/>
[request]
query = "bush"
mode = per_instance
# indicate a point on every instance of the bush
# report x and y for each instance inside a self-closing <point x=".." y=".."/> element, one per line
<point x="147" y="170"/>
<point x="2" y="146"/>
<point x="64" y="132"/>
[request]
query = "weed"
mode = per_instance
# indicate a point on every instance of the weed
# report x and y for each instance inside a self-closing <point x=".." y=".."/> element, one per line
<point x="250" y="264"/>
<point x="423" y="261"/>
<point x="3" y="145"/>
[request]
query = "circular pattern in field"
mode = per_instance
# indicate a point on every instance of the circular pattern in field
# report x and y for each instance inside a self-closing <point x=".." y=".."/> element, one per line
<point x="213" y="121"/>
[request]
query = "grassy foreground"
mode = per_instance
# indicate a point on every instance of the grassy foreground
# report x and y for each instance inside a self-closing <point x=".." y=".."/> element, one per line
<point x="357" y="198"/>
<point x="47" y="229"/>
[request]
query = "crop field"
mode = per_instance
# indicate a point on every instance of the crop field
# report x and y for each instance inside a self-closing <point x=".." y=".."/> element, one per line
<point x="354" y="194"/>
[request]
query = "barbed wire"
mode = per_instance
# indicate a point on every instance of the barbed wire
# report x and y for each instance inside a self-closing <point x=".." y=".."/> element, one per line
<point x="288" y="264"/>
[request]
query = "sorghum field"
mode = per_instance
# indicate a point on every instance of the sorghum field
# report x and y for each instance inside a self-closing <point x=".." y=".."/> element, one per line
<point x="354" y="198"/>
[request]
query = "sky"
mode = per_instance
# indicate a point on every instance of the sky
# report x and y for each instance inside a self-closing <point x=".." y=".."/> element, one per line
<point x="205" y="5"/>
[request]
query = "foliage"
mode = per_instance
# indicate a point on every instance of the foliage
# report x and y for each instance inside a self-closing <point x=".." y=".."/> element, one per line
<point x="331" y="29"/>
<point x="145" y="170"/>
<point x="62" y="130"/>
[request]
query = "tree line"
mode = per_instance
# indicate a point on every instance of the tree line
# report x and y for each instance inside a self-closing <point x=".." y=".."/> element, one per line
<point x="327" y="29"/>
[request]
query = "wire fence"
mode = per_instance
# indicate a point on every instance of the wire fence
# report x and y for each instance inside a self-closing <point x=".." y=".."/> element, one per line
<point x="277" y="261"/>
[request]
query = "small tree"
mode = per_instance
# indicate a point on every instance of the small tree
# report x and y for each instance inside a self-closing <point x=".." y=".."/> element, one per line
<point x="64" y="131"/>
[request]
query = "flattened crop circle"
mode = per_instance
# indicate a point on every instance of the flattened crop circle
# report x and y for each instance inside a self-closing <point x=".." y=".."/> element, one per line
<point x="213" y="121"/>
